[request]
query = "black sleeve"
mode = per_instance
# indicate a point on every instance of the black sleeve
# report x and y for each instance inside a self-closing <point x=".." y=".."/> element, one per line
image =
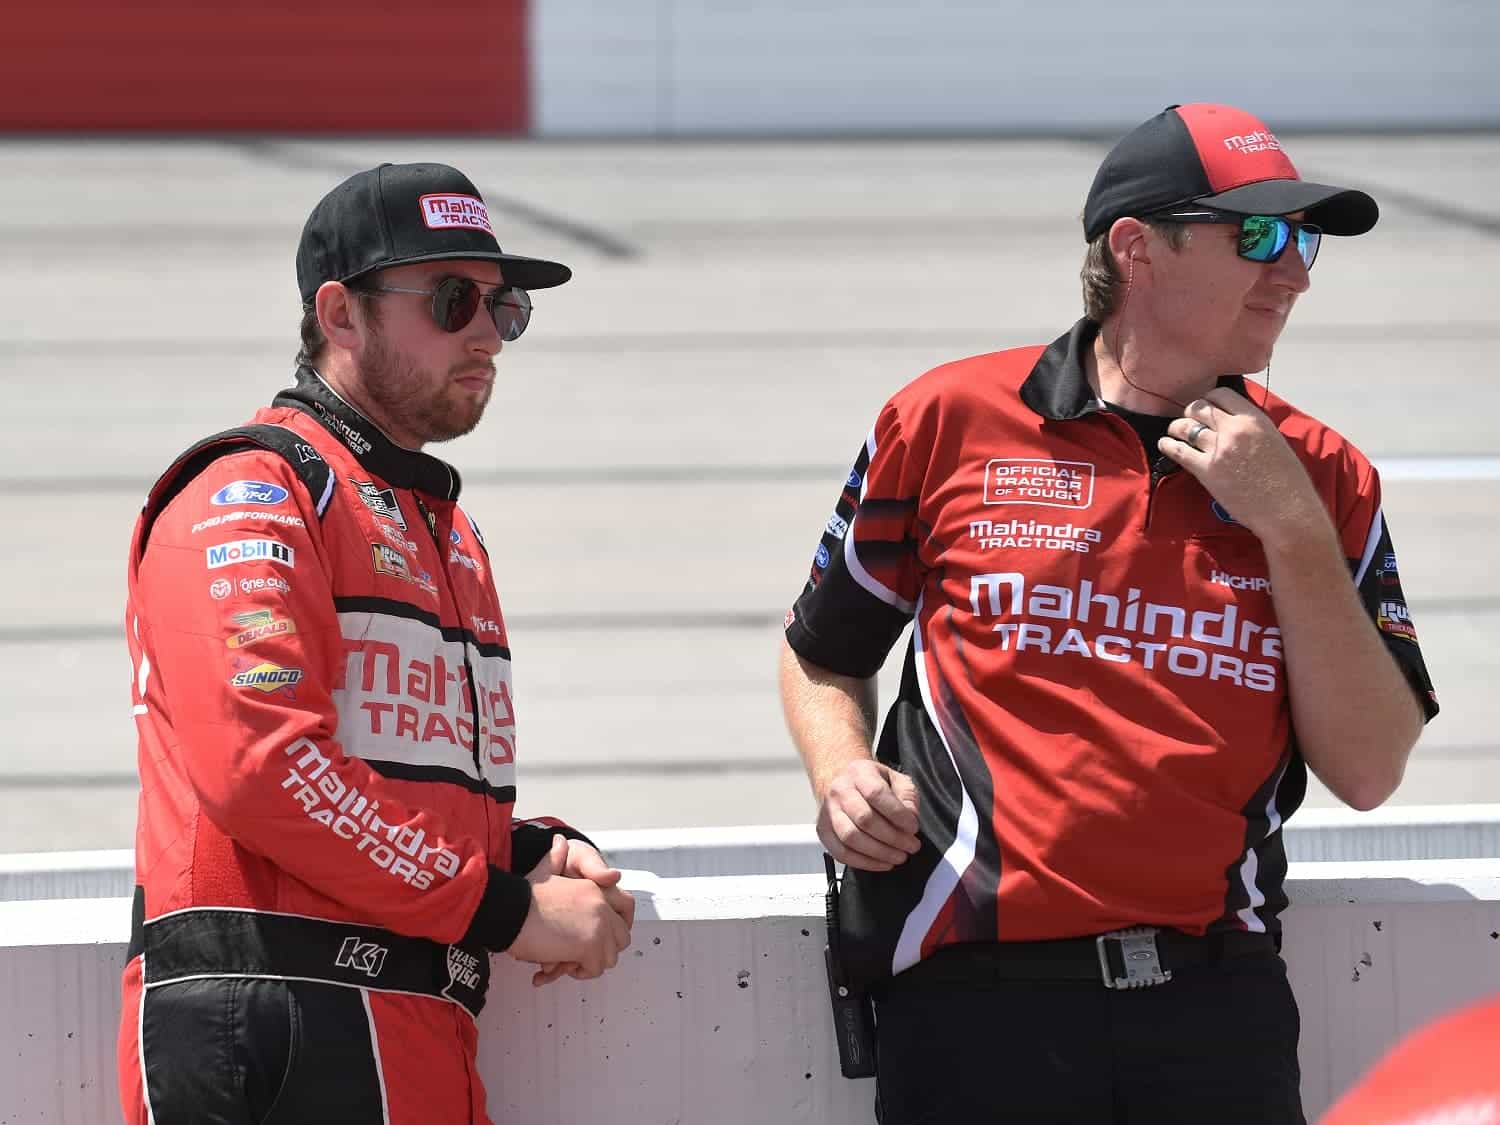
<point x="1380" y="589"/>
<point x="530" y="839"/>
<point x="866" y="574"/>
<point x="502" y="911"/>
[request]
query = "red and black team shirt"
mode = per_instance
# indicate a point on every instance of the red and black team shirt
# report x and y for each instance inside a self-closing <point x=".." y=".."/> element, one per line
<point x="1094" y="702"/>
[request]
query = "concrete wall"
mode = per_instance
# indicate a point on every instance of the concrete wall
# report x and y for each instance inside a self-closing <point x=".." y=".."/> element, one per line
<point x="677" y="67"/>
<point x="1314" y="835"/>
<point x="718" y="1013"/>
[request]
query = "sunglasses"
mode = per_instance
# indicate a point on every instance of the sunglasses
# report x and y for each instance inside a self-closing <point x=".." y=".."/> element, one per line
<point x="456" y="301"/>
<point x="1263" y="238"/>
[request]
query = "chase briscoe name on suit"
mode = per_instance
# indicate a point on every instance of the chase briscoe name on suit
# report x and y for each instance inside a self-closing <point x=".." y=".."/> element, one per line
<point x="1029" y="533"/>
<point x="1134" y="626"/>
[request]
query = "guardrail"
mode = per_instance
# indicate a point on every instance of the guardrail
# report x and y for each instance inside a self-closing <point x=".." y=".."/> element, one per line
<point x="718" y="1014"/>
<point x="1314" y="836"/>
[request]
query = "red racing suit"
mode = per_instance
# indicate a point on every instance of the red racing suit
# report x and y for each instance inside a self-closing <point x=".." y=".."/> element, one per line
<point x="322" y="693"/>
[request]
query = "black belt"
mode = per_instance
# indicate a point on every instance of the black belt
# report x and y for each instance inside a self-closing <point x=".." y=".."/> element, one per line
<point x="217" y="942"/>
<point x="1134" y="958"/>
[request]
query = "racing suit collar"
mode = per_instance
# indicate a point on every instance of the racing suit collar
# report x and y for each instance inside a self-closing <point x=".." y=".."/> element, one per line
<point x="1058" y="387"/>
<point x="403" y="468"/>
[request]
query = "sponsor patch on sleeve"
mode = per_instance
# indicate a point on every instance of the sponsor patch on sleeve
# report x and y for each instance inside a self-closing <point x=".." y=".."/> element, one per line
<point x="250" y="550"/>
<point x="249" y="492"/>
<point x="1394" y="620"/>
<point x="267" y="678"/>
<point x="257" y="625"/>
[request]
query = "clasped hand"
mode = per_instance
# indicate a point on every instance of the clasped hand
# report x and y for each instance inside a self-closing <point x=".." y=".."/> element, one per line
<point x="580" y="918"/>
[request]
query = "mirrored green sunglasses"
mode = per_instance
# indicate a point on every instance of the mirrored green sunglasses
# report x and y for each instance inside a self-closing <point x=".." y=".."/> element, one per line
<point x="1263" y="238"/>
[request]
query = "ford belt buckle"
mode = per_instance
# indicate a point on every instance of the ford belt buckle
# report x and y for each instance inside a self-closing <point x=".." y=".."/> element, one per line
<point x="1138" y="954"/>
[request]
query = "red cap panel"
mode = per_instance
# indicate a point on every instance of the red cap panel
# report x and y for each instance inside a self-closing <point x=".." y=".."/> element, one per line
<point x="1235" y="147"/>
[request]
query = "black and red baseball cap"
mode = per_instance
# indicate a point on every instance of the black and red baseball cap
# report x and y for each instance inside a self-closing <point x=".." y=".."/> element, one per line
<point x="395" y="214"/>
<point x="1215" y="156"/>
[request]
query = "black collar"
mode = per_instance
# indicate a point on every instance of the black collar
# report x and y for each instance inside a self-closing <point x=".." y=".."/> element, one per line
<point x="403" y="468"/>
<point x="1058" y="385"/>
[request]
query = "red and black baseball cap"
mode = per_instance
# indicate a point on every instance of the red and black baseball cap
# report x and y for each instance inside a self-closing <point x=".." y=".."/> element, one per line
<point x="1216" y="156"/>
<point x="396" y="214"/>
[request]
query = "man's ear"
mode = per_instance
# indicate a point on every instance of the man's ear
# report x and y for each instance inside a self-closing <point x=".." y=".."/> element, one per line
<point x="1128" y="244"/>
<point x="336" y="316"/>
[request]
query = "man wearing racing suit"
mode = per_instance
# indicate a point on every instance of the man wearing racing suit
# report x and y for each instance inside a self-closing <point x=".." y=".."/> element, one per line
<point x="326" y="853"/>
<point x="1145" y="594"/>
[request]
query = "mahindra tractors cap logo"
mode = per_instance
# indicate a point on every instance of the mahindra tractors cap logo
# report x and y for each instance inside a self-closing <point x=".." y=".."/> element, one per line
<point x="440" y="212"/>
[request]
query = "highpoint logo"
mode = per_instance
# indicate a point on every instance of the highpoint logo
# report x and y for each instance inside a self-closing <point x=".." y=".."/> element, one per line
<point x="1239" y="582"/>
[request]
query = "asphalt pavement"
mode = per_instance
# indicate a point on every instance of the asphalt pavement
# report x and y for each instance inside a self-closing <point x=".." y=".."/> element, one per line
<point x="665" y="442"/>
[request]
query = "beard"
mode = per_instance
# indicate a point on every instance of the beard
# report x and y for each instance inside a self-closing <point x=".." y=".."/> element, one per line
<point x="430" y="407"/>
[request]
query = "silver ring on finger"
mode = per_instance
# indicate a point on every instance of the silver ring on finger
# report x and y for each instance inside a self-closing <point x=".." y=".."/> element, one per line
<point x="1191" y="437"/>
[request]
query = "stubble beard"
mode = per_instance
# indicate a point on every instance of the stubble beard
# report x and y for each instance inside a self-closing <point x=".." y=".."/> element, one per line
<point x="421" y="405"/>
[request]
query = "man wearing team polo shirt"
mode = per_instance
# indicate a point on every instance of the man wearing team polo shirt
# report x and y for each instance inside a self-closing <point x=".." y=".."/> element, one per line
<point x="1146" y="595"/>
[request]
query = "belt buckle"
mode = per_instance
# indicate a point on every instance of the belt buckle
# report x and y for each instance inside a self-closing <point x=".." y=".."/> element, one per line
<point x="1139" y="955"/>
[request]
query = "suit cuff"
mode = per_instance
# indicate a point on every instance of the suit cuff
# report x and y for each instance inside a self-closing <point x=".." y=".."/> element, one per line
<point x="502" y="911"/>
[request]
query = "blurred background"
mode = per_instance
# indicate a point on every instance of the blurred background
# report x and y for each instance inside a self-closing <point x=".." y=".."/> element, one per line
<point x="778" y="212"/>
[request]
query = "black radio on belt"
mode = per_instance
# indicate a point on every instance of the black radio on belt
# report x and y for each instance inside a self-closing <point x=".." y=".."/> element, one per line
<point x="853" y="1010"/>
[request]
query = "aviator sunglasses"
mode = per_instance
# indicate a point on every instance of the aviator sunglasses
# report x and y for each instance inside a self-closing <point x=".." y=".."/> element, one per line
<point x="1263" y="238"/>
<point x="456" y="300"/>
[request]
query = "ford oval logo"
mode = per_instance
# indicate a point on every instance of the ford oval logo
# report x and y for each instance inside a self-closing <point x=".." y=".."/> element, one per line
<point x="249" y="492"/>
<point x="1223" y="513"/>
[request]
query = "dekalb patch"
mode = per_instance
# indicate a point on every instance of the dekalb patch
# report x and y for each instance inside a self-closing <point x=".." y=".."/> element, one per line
<point x="249" y="492"/>
<point x="257" y="625"/>
<point x="1029" y="480"/>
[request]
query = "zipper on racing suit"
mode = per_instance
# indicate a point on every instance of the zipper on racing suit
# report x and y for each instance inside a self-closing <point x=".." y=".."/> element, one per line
<point x="430" y="518"/>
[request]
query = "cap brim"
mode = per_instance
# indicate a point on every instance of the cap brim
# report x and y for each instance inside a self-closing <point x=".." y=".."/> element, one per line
<point x="1337" y="210"/>
<point x="524" y="273"/>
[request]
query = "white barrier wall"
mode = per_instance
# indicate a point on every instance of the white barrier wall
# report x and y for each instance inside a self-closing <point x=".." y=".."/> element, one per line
<point x="1313" y="835"/>
<point x="683" y="67"/>
<point x="718" y="1014"/>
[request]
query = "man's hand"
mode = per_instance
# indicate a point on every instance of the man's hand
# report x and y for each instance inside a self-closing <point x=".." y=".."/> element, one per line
<point x="1237" y="453"/>
<point x="573" y="928"/>
<point x="584" y="862"/>
<point x="867" y="816"/>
